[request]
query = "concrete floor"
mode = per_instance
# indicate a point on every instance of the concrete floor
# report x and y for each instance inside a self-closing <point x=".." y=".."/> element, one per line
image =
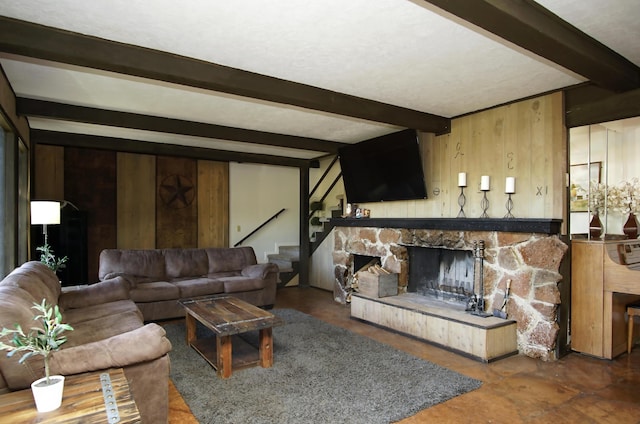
<point x="518" y="389"/>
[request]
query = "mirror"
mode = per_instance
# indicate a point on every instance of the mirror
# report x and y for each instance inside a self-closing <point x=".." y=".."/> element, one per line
<point x="604" y="175"/>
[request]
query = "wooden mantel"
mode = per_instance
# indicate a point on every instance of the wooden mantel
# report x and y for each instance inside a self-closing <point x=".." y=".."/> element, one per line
<point x="515" y="225"/>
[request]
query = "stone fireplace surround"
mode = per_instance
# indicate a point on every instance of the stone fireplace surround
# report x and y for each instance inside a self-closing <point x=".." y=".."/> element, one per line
<point x="528" y="252"/>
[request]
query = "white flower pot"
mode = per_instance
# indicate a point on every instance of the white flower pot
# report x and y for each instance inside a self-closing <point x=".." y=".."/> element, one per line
<point x="48" y="397"/>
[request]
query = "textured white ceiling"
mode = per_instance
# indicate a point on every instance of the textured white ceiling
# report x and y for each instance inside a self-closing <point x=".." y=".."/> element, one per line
<point x="400" y="52"/>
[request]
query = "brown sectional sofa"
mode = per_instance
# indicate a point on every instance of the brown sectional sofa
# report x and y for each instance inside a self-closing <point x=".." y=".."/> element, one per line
<point x="158" y="278"/>
<point x="109" y="332"/>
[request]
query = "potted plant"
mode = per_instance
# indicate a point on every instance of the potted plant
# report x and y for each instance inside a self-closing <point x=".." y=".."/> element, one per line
<point x="47" y="391"/>
<point x="49" y="259"/>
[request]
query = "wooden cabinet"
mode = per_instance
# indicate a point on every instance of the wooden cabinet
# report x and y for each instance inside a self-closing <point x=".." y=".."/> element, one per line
<point x="601" y="286"/>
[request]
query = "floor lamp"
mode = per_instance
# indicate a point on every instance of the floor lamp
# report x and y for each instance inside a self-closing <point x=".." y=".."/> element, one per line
<point x="45" y="213"/>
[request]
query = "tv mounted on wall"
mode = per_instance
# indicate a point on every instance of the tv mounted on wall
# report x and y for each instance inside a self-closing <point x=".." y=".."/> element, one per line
<point x="383" y="169"/>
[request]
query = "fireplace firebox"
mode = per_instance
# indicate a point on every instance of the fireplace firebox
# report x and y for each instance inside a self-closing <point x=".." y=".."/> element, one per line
<point x="442" y="274"/>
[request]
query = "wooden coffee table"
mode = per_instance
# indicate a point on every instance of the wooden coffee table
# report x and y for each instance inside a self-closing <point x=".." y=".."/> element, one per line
<point x="227" y="316"/>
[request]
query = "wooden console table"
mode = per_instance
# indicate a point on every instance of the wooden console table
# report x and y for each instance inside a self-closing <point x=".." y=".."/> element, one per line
<point x="603" y="282"/>
<point x="83" y="401"/>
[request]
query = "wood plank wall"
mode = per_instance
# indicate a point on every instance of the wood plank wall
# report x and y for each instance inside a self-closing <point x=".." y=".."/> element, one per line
<point x="526" y="140"/>
<point x="126" y="205"/>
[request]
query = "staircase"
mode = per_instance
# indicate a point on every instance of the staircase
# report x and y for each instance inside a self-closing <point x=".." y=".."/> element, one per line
<point x="288" y="257"/>
<point x="322" y="229"/>
<point x="287" y="260"/>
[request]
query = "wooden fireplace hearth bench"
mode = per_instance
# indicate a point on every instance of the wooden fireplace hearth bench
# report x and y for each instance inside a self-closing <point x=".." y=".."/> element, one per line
<point x="484" y="339"/>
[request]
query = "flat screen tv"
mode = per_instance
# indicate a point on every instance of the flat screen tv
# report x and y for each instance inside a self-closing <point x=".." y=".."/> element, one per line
<point x="383" y="169"/>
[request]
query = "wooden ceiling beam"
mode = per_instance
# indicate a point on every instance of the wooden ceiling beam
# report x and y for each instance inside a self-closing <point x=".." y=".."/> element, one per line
<point x="42" y="42"/>
<point x="588" y="105"/>
<point x="59" y="138"/>
<point x="66" y="112"/>
<point x="534" y="28"/>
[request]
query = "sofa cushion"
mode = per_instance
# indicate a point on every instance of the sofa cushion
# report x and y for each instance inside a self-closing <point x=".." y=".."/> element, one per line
<point x="150" y="342"/>
<point x="37" y="279"/>
<point x="223" y="259"/>
<point x="97" y="311"/>
<point x="88" y="331"/>
<point x="151" y="292"/>
<point x="185" y="263"/>
<point x="242" y="284"/>
<point x="106" y="291"/>
<point x="199" y="287"/>
<point x="136" y="263"/>
<point x="259" y="270"/>
<point x="219" y="275"/>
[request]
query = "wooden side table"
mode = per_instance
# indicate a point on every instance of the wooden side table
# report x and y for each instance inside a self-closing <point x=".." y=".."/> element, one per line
<point x="83" y="401"/>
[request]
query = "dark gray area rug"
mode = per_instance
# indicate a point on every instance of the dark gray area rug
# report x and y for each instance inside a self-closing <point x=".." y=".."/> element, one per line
<point x="321" y="374"/>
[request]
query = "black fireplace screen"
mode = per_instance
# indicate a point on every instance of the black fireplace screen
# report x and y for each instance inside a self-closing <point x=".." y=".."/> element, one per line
<point x="443" y="274"/>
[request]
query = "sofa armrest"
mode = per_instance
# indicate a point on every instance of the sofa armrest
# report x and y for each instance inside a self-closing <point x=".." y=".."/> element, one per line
<point x="137" y="346"/>
<point x="259" y="270"/>
<point x="95" y="294"/>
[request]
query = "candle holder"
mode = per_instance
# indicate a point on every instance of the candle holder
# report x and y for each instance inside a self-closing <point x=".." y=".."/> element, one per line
<point x="484" y="204"/>
<point x="509" y="206"/>
<point x="461" y="202"/>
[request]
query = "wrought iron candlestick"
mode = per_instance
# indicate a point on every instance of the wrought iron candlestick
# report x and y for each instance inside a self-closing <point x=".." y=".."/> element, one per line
<point x="484" y="187"/>
<point x="510" y="188"/>
<point x="509" y="206"/>
<point x="461" y="202"/>
<point x="484" y="204"/>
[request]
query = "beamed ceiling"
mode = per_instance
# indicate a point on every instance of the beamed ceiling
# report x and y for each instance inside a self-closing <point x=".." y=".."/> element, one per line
<point x="285" y="82"/>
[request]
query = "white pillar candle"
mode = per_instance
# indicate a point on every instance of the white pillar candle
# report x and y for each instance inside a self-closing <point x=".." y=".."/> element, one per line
<point x="510" y="185"/>
<point x="462" y="179"/>
<point x="484" y="183"/>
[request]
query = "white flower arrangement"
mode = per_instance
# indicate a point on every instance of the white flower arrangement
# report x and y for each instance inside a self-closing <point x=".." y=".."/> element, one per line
<point x="624" y="197"/>
<point x="597" y="196"/>
<point x="621" y="198"/>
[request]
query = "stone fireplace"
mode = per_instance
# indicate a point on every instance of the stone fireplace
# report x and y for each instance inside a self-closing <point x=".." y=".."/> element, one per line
<point x="529" y="258"/>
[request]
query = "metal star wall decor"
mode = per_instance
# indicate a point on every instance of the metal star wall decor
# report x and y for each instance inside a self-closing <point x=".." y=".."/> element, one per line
<point x="177" y="191"/>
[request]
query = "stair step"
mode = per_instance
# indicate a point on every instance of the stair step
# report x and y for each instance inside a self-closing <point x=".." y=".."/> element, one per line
<point x="282" y="261"/>
<point x="289" y="251"/>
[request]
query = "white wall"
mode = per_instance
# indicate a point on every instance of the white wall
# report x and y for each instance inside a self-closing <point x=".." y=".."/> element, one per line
<point x="257" y="192"/>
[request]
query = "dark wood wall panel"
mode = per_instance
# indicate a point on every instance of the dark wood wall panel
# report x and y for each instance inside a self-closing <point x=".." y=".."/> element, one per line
<point x="176" y="202"/>
<point x="90" y="184"/>
<point x="48" y="172"/>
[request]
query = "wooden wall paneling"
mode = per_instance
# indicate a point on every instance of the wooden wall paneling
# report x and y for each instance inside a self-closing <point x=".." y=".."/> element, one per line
<point x="48" y="172"/>
<point x="557" y="133"/>
<point x="213" y="204"/>
<point x="176" y="202"/>
<point x="136" y="182"/>
<point x="430" y="147"/>
<point x="90" y="184"/>
<point x="518" y="158"/>
<point x="540" y="158"/>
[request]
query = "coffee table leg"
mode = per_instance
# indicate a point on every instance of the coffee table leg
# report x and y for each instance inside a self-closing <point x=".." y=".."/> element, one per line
<point x="266" y="348"/>
<point x="191" y="328"/>
<point x="223" y="353"/>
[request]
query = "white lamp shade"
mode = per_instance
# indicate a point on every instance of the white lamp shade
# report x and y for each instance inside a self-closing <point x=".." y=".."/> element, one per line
<point x="45" y="212"/>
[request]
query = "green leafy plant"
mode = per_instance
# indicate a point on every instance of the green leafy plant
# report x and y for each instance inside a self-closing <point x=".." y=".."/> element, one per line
<point x="49" y="259"/>
<point x="39" y="341"/>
